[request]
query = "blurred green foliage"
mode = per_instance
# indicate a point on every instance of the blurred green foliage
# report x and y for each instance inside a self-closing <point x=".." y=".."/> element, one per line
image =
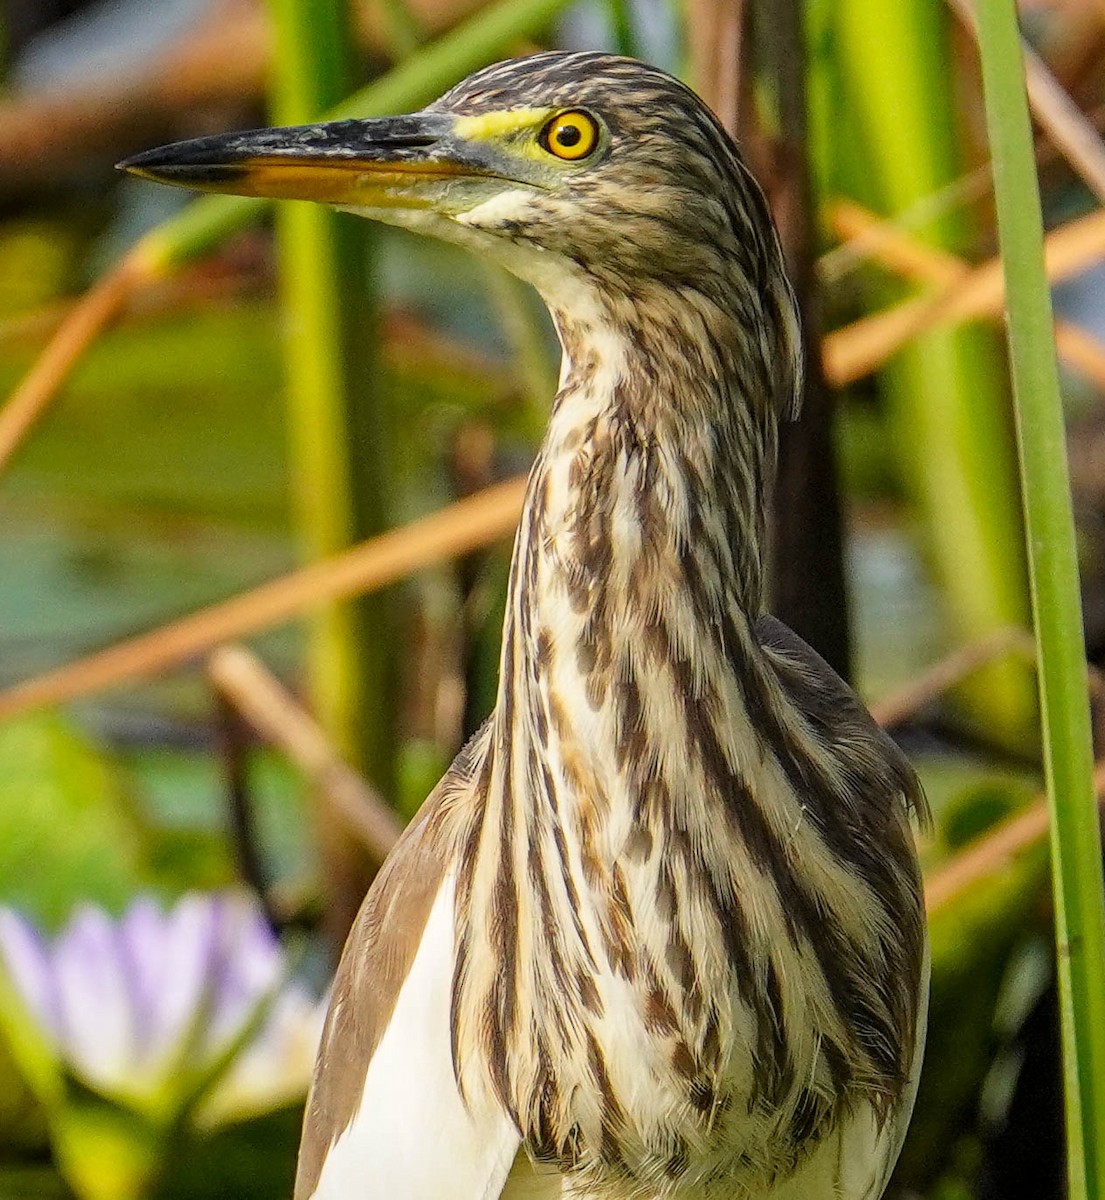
<point x="68" y="830"/>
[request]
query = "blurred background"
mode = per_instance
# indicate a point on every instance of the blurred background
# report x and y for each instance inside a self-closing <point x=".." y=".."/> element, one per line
<point x="198" y="778"/>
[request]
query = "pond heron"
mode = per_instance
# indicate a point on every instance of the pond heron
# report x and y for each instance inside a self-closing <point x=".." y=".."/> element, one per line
<point x="658" y="932"/>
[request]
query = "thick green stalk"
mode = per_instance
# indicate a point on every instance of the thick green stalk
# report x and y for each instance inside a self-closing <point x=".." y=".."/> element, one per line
<point x="621" y="27"/>
<point x="339" y="443"/>
<point x="946" y="399"/>
<point x="489" y="33"/>
<point x="1053" y="572"/>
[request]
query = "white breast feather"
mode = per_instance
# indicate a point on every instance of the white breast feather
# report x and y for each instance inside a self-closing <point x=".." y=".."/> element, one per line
<point x="412" y="1137"/>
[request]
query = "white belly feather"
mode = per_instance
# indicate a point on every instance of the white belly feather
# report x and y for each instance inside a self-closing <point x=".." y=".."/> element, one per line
<point x="412" y="1137"/>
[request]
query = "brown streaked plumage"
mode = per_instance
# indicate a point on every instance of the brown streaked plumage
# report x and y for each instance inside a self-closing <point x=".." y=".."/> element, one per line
<point x="658" y="933"/>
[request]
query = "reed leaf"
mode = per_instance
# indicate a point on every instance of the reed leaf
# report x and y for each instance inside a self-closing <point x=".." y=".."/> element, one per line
<point x="1053" y="571"/>
<point x="622" y="29"/>
<point x="402" y="27"/>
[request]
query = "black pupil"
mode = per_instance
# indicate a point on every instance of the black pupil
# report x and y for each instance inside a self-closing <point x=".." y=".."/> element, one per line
<point x="568" y="136"/>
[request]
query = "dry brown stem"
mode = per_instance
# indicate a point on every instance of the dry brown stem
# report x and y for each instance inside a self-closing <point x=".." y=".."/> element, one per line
<point x="995" y="850"/>
<point x="942" y="676"/>
<point x="870" y="237"/>
<point x="715" y="33"/>
<point x="1082" y="351"/>
<point x="276" y="715"/>
<point x="195" y="288"/>
<point x="884" y="242"/>
<point x="84" y="321"/>
<point x="454" y="530"/>
<point x="1067" y="126"/>
<point x="862" y="347"/>
<point x="406" y="338"/>
<point x="74" y="332"/>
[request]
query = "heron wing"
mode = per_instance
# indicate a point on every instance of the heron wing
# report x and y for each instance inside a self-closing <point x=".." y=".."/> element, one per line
<point x="818" y="691"/>
<point x="385" y="1119"/>
<point x="811" y="682"/>
<point x="855" y="1161"/>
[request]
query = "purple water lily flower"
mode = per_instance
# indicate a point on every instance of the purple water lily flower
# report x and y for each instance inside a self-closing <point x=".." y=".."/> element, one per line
<point x="138" y="1006"/>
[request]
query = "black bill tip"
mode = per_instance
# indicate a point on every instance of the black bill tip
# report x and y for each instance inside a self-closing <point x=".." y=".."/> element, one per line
<point x="332" y="162"/>
<point x="150" y="166"/>
<point x="219" y="159"/>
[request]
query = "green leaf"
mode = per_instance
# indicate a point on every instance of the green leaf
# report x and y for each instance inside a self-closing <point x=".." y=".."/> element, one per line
<point x="1053" y="571"/>
<point x="106" y="1151"/>
<point x="67" y="829"/>
<point x="972" y="941"/>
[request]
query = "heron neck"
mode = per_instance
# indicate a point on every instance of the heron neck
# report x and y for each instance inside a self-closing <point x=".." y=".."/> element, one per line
<point x="644" y="525"/>
<point x="659" y="445"/>
<point x="646" y="753"/>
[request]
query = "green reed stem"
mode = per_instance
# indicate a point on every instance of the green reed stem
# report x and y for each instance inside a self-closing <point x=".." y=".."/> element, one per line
<point x="622" y="27"/>
<point x="1053" y="568"/>
<point x="946" y="400"/>
<point x="338" y="435"/>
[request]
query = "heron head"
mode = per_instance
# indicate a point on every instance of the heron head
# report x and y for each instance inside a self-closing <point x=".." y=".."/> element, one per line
<point x="555" y="164"/>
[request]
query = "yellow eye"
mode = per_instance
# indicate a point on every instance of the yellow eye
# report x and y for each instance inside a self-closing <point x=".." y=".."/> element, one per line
<point x="570" y="135"/>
